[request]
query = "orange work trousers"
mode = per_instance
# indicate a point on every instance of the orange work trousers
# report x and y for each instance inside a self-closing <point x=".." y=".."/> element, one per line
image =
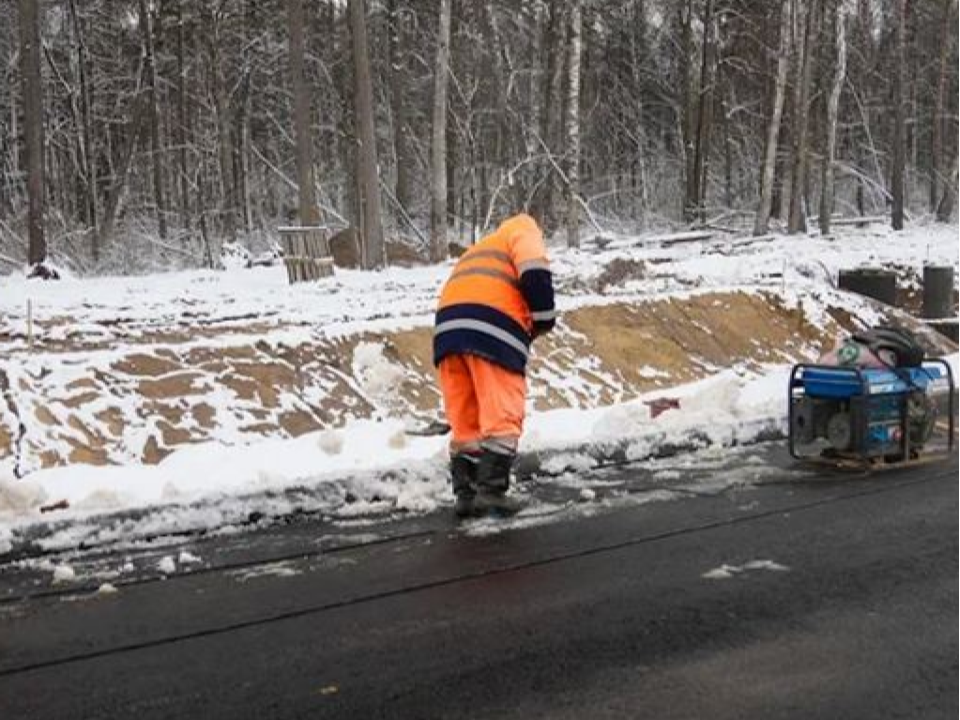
<point x="484" y="403"/>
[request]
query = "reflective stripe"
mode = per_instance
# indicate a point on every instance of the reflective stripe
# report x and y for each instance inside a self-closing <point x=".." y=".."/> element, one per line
<point x="489" y="272"/>
<point x="486" y="328"/>
<point x="538" y="264"/>
<point x="496" y="254"/>
<point x="469" y="449"/>
<point x="544" y="315"/>
<point x="501" y="444"/>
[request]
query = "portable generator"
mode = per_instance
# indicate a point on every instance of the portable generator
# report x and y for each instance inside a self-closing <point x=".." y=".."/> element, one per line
<point x="868" y="414"/>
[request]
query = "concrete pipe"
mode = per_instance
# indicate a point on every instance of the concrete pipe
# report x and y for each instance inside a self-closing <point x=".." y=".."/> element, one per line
<point x="937" y="292"/>
<point x="875" y="283"/>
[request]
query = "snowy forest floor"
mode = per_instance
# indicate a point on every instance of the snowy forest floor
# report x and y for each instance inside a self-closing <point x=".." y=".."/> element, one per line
<point x="219" y="394"/>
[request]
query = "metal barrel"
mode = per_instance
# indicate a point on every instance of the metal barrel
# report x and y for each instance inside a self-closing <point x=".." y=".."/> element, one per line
<point x="937" y="291"/>
<point x="873" y="282"/>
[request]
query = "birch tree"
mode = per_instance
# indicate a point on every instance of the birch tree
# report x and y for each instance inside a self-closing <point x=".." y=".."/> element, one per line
<point x="833" y="109"/>
<point x="900" y="119"/>
<point x="572" y="154"/>
<point x="438" y="145"/>
<point x="762" y="221"/>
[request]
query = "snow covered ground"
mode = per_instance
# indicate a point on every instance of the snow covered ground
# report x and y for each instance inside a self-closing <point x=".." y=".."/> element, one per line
<point x="126" y="309"/>
<point x="370" y="466"/>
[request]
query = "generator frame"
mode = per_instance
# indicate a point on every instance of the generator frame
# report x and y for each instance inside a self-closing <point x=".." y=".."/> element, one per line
<point x="860" y="404"/>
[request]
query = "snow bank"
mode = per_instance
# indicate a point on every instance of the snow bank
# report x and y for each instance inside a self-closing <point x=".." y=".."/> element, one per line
<point x="368" y="470"/>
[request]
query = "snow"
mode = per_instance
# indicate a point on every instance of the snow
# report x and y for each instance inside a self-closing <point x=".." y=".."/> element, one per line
<point x="371" y="465"/>
<point x="277" y="569"/>
<point x="63" y="574"/>
<point x="167" y="565"/>
<point x="188" y="558"/>
<point x="725" y="572"/>
<point x="403" y="297"/>
<point x="210" y="484"/>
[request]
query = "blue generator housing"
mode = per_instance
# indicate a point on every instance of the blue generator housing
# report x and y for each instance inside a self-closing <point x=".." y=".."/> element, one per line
<point x="866" y="414"/>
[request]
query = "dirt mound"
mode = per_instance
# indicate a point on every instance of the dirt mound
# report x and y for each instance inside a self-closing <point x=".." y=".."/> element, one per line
<point x="104" y="409"/>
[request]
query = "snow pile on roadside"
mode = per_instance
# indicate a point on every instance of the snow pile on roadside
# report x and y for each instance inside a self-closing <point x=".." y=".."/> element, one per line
<point x="733" y="406"/>
<point x="372" y="466"/>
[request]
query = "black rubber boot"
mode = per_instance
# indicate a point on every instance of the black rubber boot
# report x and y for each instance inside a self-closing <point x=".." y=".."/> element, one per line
<point x="463" y="475"/>
<point x="493" y="481"/>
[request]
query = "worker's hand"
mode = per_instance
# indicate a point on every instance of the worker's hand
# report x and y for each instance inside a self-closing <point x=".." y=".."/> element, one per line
<point x="540" y="329"/>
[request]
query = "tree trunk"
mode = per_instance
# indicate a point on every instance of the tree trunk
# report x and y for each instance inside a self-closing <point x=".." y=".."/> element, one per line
<point x="945" y="206"/>
<point x="438" y="148"/>
<point x="85" y="136"/>
<point x="936" y="140"/>
<point x="373" y="247"/>
<point x="796" y="221"/>
<point x="33" y="126"/>
<point x="221" y="107"/>
<point x="899" y="131"/>
<point x="572" y="154"/>
<point x="180" y="135"/>
<point x="833" y="107"/>
<point x="688" y="120"/>
<point x="309" y="213"/>
<point x="134" y="130"/>
<point x="147" y="37"/>
<point x="551" y="115"/>
<point x="401" y="142"/>
<point x="701" y="143"/>
<point x="762" y="221"/>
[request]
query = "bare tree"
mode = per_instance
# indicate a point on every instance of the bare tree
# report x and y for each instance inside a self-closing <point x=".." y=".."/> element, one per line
<point x="796" y="219"/>
<point x="833" y="109"/>
<point x="572" y="154"/>
<point x="183" y="105"/>
<point x="156" y="160"/>
<point x="309" y="213"/>
<point x="936" y="134"/>
<point x="762" y="220"/>
<point x="374" y="255"/>
<point x="85" y="144"/>
<point x="900" y="118"/>
<point x="945" y="206"/>
<point x="213" y="19"/>
<point x="398" y="107"/>
<point x="699" y="96"/>
<point x="438" y="146"/>
<point x="33" y="128"/>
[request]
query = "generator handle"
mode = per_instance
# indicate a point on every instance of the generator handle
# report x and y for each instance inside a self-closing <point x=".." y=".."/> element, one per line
<point x="952" y="403"/>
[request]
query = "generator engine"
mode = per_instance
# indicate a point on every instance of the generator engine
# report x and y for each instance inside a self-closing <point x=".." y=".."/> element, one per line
<point x="867" y="413"/>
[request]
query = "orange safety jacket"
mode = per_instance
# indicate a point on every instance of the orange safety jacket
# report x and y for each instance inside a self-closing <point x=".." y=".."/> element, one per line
<point x="498" y="297"/>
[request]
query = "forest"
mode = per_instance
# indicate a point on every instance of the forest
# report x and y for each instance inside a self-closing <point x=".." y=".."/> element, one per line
<point x="143" y="135"/>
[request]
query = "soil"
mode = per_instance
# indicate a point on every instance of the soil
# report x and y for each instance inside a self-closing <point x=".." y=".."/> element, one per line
<point x="170" y="396"/>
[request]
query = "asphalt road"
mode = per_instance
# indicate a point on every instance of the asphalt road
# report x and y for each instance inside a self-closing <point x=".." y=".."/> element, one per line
<point x="612" y="614"/>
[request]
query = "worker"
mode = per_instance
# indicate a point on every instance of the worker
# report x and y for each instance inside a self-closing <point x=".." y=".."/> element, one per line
<point x="498" y="298"/>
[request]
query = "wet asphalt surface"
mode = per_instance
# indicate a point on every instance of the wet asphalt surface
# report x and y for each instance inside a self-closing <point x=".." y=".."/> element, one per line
<point x="741" y="588"/>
